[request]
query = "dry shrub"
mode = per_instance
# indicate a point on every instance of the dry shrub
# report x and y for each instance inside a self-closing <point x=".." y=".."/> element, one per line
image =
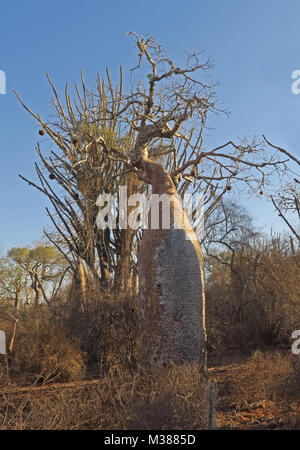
<point x="169" y="398"/>
<point x="66" y="407"/>
<point x="291" y="386"/>
<point x="107" y="331"/>
<point x="64" y="343"/>
<point x="154" y="398"/>
<point x="265" y="377"/>
<point x="3" y="372"/>
<point x="255" y="302"/>
<point x="43" y="352"/>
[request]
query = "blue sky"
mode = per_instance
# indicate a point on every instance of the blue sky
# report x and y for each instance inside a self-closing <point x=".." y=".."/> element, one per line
<point x="255" y="46"/>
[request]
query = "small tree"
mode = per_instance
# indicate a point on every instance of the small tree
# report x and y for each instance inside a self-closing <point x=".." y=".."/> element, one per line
<point x="13" y="280"/>
<point x="44" y="266"/>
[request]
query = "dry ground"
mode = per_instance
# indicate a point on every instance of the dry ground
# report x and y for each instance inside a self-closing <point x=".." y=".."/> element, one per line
<point x="260" y="392"/>
<point x="241" y="411"/>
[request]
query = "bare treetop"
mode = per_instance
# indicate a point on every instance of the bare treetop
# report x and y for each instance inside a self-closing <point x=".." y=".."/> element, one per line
<point x="108" y="134"/>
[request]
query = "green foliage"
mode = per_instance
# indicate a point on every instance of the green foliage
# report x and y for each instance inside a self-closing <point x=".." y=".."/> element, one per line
<point x="26" y="269"/>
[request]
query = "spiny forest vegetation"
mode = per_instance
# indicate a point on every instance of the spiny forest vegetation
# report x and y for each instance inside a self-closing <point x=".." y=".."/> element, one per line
<point x="69" y="303"/>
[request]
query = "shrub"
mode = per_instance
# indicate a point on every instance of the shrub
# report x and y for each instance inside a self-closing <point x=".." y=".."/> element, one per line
<point x="170" y="397"/>
<point x="108" y="332"/>
<point x="43" y="352"/>
<point x="255" y="302"/>
<point x="266" y="377"/>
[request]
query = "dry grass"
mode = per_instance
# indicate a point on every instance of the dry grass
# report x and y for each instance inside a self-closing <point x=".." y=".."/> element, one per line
<point x="42" y="353"/>
<point x="61" y="345"/>
<point x="265" y="377"/>
<point x="51" y="348"/>
<point x="261" y="392"/>
<point x="166" y="398"/>
<point x="157" y="398"/>
<point x="66" y="346"/>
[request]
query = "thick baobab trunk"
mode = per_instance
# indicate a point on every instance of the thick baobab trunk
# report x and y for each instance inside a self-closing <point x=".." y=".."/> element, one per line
<point x="171" y="283"/>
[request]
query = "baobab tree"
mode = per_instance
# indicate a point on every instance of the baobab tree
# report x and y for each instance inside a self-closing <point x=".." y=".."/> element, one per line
<point x="153" y="135"/>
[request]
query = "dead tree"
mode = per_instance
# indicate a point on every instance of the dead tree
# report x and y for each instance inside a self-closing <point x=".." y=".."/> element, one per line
<point x="288" y="199"/>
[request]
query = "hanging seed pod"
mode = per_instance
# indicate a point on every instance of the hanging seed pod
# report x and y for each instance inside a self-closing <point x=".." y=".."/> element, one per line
<point x="51" y="176"/>
<point x="41" y="132"/>
<point x="74" y="139"/>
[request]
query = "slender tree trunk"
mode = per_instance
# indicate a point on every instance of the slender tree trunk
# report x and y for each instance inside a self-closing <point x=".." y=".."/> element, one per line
<point x="37" y="296"/>
<point x="37" y="290"/>
<point x="78" y="293"/>
<point x="123" y="280"/>
<point x="83" y="286"/>
<point x="17" y="300"/>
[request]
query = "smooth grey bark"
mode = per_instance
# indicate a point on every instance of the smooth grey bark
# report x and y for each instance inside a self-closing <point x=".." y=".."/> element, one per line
<point x="171" y="285"/>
